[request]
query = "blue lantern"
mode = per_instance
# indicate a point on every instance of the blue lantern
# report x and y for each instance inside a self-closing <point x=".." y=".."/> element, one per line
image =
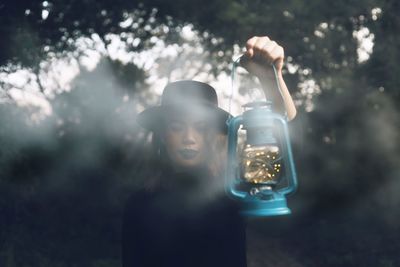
<point x="262" y="172"/>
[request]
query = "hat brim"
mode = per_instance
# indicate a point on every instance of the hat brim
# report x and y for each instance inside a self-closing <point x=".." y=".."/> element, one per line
<point x="151" y="118"/>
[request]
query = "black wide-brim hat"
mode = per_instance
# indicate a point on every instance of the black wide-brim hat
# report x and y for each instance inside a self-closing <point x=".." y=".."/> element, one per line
<point x="185" y="96"/>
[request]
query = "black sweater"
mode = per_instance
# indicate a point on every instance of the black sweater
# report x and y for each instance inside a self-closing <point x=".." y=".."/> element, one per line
<point x="183" y="225"/>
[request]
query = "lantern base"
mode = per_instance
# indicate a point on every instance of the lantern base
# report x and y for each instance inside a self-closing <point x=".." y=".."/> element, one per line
<point x="274" y="206"/>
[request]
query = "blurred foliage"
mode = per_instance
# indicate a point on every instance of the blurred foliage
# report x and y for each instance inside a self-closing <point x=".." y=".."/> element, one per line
<point x="63" y="180"/>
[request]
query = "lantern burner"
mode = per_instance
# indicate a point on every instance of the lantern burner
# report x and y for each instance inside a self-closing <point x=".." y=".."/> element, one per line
<point x="259" y="190"/>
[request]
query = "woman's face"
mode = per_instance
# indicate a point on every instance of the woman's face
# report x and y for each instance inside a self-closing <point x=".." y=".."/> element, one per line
<point x="185" y="141"/>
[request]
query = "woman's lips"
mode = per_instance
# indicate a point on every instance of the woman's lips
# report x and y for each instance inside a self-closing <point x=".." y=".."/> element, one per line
<point x="188" y="153"/>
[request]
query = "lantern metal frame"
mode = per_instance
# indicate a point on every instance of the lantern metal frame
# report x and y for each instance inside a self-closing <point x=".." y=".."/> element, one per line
<point x="267" y="201"/>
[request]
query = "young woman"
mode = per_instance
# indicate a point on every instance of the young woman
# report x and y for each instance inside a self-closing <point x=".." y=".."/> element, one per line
<point x="183" y="218"/>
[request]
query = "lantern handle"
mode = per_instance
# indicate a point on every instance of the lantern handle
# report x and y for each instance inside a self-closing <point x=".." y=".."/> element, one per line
<point x="236" y="63"/>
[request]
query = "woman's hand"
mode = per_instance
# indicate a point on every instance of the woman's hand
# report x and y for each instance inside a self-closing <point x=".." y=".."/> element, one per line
<point x="260" y="53"/>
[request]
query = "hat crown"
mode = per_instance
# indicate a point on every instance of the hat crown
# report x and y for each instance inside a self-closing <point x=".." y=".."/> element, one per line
<point x="187" y="92"/>
<point x="183" y="96"/>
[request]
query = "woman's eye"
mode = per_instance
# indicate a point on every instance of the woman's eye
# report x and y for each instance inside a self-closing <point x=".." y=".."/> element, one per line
<point x="201" y="127"/>
<point x="176" y="126"/>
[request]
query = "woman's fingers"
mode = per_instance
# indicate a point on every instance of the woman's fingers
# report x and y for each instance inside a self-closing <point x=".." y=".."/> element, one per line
<point x="265" y="50"/>
<point x="250" y="45"/>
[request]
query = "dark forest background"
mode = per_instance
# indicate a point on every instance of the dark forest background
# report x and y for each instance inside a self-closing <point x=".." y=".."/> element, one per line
<point x="65" y="176"/>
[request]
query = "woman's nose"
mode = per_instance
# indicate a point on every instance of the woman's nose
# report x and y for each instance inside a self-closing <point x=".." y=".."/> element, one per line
<point x="189" y="136"/>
